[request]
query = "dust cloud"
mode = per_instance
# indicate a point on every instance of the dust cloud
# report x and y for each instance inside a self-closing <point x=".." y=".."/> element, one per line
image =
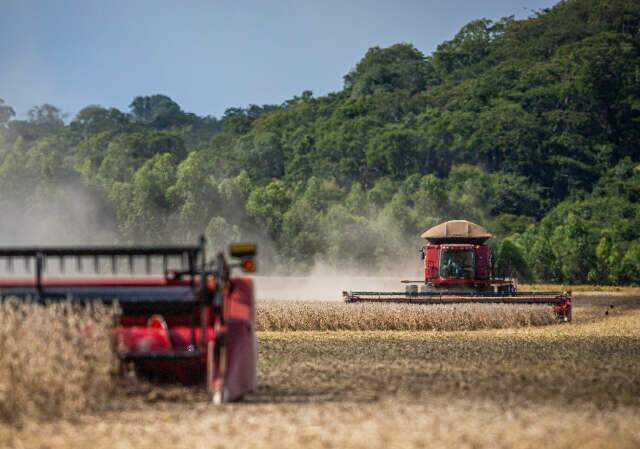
<point x="319" y="288"/>
<point x="72" y="214"/>
<point x="326" y="283"/>
<point x="66" y="215"/>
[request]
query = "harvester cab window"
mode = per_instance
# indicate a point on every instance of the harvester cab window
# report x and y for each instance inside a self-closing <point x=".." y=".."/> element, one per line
<point x="457" y="263"/>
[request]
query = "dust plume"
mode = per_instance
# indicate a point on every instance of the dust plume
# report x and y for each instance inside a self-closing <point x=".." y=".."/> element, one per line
<point x="65" y="214"/>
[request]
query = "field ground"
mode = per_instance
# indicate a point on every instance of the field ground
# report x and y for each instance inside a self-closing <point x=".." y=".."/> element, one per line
<point x="561" y="385"/>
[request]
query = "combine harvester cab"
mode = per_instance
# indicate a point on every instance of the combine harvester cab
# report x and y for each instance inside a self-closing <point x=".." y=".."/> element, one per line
<point x="459" y="269"/>
<point x="190" y="324"/>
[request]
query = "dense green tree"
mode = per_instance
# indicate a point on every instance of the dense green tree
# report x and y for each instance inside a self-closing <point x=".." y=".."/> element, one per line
<point x="6" y="113"/>
<point x="530" y="127"/>
<point x="47" y="116"/>
<point x="268" y="204"/>
<point x="629" y="271"/>
<point x="143" y="205"/>
<point x="399" y="67"/>
<point x="95" y="119"/>
<point x="264" y="157"/>
<point x="156" y="110"/>
<point x="306" y="234"/>
<point x="395" y="152"/>
<point x="469" y="47"/>
<point x="510" y="261"/>
<point x="544" y="262"/>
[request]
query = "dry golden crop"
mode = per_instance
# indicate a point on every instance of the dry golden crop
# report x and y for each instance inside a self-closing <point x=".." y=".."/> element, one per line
<point x="436" y="423"/>
<point x="332" y="316"/>
<point x="557" y="386"/>
<point x="562" y="385"/>
<point x="55" y="360"/>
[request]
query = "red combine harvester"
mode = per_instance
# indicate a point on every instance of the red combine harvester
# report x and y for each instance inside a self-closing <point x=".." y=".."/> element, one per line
<point x="193" y="323"/>
<point x="458" y="269"/>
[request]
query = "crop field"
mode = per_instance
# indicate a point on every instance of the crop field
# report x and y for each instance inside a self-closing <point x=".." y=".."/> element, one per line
<point x="55" y="360"/>
<point x="338" y="316"/>
<point x="448" y="379"/>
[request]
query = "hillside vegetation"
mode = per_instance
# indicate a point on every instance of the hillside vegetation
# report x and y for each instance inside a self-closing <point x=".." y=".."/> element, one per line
<point x="530" y="127"/>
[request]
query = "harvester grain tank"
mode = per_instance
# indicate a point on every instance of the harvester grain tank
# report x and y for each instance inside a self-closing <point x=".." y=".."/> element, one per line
<point x="459" y="268"/>
<point x="192" y="323"/>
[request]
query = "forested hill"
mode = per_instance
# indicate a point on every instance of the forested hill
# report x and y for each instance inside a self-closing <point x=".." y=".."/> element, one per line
<point x="530" y="127"/>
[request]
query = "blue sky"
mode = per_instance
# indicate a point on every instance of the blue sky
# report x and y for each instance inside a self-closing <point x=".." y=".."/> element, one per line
<point x="209" y="55"/>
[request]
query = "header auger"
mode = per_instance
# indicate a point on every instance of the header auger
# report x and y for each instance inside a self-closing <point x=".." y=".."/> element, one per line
<point x="192" y="323"/>
<point x="459" y="268"/>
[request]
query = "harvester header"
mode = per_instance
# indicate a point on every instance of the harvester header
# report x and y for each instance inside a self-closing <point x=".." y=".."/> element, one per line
<point x="190" y="323"/>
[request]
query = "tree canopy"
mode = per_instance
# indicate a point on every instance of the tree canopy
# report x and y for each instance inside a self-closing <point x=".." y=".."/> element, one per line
<point x="530" y="127"/>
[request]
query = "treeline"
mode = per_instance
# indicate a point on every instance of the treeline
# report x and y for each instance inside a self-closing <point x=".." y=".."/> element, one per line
<point x="529" y="127"/>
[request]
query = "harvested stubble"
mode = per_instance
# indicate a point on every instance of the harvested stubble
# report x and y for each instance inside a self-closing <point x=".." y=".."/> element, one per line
<point x="553" y="386"/>
<point x="333" y="316"/>
<point x="55" y="360"/>
<point x="436" y="423"/>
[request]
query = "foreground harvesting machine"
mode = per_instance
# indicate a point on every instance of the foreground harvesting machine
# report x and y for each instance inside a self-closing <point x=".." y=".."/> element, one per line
<point x="458" y="269"/>
<point x="192" y="323"/>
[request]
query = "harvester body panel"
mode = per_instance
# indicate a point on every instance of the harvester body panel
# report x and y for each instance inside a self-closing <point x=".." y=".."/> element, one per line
<point x="483" y="262"/>
<point x="431" y="261"/>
